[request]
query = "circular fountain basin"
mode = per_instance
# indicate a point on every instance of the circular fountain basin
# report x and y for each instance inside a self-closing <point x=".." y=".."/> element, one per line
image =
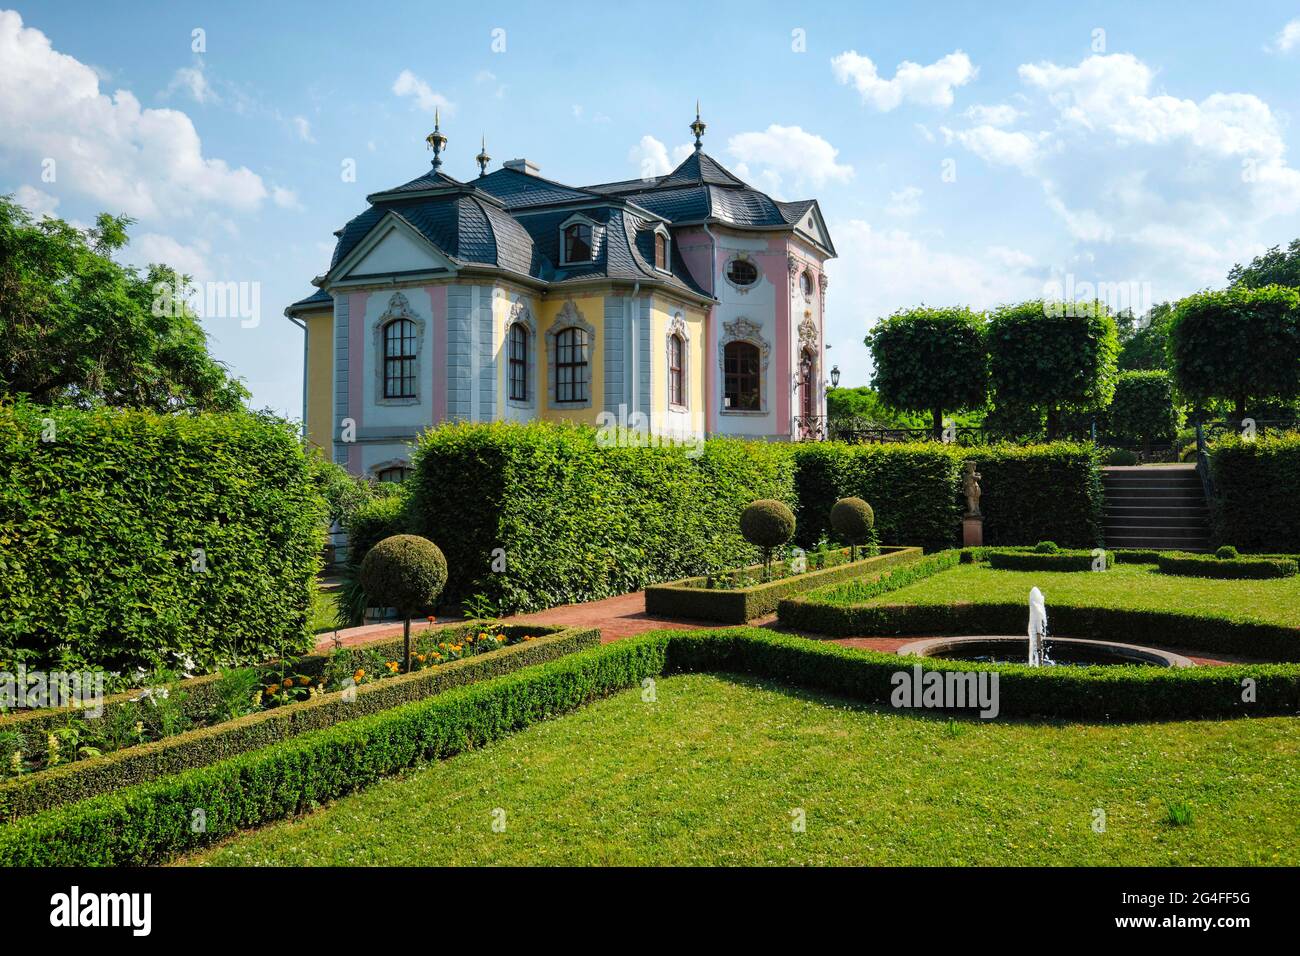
<point x="1065" y="651"/>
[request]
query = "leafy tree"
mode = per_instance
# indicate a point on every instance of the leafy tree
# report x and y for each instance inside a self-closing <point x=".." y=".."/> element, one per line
<point x="1143" y="409"/>
<point x="78" y="328"/>
<point x="1240" y="344"/>
<point x="1054" y="357"/>
<point x="1274" y="267"/>
<point x="1143" y="342"/>
<point x="863" y="403"/>
<point x="930" y="360"/>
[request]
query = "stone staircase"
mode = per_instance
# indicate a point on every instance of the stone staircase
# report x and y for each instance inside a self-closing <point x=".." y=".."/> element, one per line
<point x="1156" y="506"/>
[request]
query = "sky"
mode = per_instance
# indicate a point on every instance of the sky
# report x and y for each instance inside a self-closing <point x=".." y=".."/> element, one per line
<point x="961" y="154"/>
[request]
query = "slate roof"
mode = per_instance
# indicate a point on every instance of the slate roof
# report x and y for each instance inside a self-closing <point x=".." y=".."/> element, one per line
<point x="510" y="220"/>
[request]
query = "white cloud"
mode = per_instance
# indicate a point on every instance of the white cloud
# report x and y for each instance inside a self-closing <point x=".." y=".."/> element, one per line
<point x="193" y="81"/>
<point x="408" y="84"/>
<point x="285" y="198"/>
<point x="153" y="247"/>
<point x="302" y="126"/>
<point x="1010" y="258"/>
<point x="782" y="153"/>
<point x="999" y="114"/>
<point x="37" y="202"/>
<point x="143" y="162"/>
<point x="998" y="146"/>
<point x="651" y="157"/>
<point x="904" y="203"/>
<point x="1289" y="37"/>
<point x="924" y="85"/>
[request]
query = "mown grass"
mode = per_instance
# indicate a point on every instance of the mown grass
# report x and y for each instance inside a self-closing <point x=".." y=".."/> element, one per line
<point x="714" y="770"/>
<point x="1130" y="586"/>
<point x="324" y="611"/>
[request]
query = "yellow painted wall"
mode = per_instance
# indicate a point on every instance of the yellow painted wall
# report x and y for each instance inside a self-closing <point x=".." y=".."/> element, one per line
<point x="592" y="309"/>
<point x="320" y="378"/>
<point x="661" y="313"/>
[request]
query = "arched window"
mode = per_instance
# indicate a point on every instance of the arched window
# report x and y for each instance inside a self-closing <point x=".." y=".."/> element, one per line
<point x="577" y="242"/>
<point x="399" y="359"/>
<point x="806" y="282"/>
<point x="518" y="362"/>
<point x="740" y="373"/>
<point x="572" y="378"/>
<point x="661" y="251"/>
<point x="676" y="370"/>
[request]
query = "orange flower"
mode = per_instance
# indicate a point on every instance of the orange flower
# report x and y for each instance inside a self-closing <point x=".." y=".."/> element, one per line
<point x="359" y="674"/>
<point x="288" y="682"/>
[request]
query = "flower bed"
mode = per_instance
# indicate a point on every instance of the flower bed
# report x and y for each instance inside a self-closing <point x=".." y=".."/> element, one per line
<point x="152" y="822"/>
<point x="693" y="599"/>
<point x="282" y="717"/>
<point x="1209" y="566"/>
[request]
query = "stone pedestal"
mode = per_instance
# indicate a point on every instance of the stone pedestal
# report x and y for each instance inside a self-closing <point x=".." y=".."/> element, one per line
<point x="972" y="531"/>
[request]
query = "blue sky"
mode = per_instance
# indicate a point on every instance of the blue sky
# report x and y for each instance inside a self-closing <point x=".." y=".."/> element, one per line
<point x="960" y="154"/>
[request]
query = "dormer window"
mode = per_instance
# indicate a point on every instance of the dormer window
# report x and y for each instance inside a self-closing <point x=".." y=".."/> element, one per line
<point x="577" y="242"/>
<point x="661" y="251"/>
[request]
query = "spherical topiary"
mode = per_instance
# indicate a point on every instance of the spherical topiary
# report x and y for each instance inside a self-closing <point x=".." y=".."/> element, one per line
<point x="1227" y="553"/>
<point x="1047" y="547"/>
<point x="404" y="571"/>
<point x="767" y="523"/>
<point x="852" y="520"/>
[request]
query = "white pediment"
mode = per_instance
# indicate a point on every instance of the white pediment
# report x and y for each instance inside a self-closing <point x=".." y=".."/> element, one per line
<point x="814" y="227"/>
<point x="391" y="248"/>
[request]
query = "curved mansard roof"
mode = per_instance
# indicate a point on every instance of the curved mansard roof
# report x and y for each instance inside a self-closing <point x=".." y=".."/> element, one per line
<point x="510" y="220"/>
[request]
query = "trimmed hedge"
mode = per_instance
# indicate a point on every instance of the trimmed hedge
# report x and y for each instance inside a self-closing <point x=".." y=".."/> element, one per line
<point x="70" y="782"/>
<point x="1029" y="492"/>
<point x="130" y="538"/>
<point x="1208" y="566"/>
<point x="1036" y="561"/>
<point x="578" y="522"/>
<point x="689" y="600"/>
<point x="805" y="613"/>
<point x="151" y="822"/>
<point x="1198" y="632"/>
<point x="1256" y="506"/>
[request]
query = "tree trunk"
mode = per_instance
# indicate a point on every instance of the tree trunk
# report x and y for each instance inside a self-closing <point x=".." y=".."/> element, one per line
<point x="1053" y="423"/>
<point x="406" y="644"/>
<point x="938" y="423"/>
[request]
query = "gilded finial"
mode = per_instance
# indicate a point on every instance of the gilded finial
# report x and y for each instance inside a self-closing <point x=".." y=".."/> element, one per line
<point x="483" y="158"/>
<point x="698" y="127"/>
<point x="437" y="142"/>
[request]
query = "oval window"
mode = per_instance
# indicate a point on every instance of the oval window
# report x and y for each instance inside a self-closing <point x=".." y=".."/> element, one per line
<point x="742" y="272"/>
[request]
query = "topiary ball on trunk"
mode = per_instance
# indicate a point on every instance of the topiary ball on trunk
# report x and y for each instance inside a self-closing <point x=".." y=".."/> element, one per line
<point x="404" y="571"/>
<point x="767" y="523"/>
<point x="852" y="520"/>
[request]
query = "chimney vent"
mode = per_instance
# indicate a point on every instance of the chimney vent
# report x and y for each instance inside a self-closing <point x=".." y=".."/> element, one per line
<point x="522" y="166"/>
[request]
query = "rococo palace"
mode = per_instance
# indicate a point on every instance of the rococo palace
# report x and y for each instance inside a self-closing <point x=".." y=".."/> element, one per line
<point x="688" y="304"/>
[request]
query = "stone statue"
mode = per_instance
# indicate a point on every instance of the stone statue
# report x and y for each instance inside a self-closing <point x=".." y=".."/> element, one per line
<point x="971" y="487"/>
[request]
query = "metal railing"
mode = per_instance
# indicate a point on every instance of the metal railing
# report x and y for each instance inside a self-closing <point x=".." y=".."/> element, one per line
<point x="861" y="431"/>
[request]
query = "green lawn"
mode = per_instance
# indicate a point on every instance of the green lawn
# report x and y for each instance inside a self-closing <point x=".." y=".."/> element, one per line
<point x="710" y="772"/>
<point x="324" y="606"/>
<point x="1139" y="587"/>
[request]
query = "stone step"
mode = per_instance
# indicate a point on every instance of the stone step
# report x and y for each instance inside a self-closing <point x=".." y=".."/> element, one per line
<point x="1158" y="544"/>
<point x="1155" y="521"/>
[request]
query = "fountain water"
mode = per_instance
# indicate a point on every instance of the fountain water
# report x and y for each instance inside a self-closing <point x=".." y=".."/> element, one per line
<point x="1037" y="627"/>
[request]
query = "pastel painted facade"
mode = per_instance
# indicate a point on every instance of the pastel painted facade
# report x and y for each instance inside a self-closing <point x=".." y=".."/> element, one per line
<point x="690" y="304"/>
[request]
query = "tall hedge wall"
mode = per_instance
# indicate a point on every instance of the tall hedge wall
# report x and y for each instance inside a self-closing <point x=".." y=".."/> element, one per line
<point x="101" y="514"/>
<point x="579" y="522"/>
<point x="1030" y="493"/>
<point x="1257" y="492"/>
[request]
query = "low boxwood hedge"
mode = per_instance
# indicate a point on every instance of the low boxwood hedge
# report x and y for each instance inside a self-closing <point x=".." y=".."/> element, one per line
<point x="1208" y="566"/>
<point x="804" y="614"/>
<point x="1020" y="560"/>
<point x="196" y="748"/>
<point x="1181" y="629"/>
<point x="153" y="821"/>
<point x="688" y="599"/>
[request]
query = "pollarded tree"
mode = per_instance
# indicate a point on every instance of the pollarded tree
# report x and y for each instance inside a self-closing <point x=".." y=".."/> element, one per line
<point x="1053" y="356"/>
<point x="1143" y="409"/>
<point x="930" y="360"/>
<point x="1239" y="344"/>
